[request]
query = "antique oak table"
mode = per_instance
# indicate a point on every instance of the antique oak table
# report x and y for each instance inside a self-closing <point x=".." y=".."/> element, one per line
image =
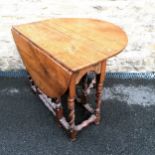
<point x="58" y="53"/>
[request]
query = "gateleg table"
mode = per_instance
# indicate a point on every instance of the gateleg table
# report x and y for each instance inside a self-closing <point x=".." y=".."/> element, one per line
<point x="58" y="53"/>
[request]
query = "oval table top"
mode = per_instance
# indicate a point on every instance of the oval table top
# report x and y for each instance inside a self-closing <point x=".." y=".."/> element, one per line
<point x="75" y="42"/>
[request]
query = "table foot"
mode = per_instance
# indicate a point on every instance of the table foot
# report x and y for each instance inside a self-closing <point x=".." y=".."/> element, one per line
<point x="73" y="135"/>
<point x="97" y="121"/>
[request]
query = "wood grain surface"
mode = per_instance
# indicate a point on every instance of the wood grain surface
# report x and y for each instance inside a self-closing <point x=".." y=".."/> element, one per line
<point x="47" y="74"/>
<point x="75" y="43"/>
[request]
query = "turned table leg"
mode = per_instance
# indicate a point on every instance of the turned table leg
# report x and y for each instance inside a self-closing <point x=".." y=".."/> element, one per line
<point x="71" y="107"/>
<point x="58" y="110"/>
<point x="99" y="80"/>
<point x="84" y="90"/>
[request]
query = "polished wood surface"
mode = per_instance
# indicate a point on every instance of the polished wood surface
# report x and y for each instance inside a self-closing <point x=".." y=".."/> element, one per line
<point x="75" y="43"/>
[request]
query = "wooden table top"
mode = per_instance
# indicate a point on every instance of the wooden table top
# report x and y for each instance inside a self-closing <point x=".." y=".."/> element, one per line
<point x="75" y="43"/>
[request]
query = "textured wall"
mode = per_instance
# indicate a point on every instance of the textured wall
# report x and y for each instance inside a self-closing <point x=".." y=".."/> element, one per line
<point x="137" y="18"/>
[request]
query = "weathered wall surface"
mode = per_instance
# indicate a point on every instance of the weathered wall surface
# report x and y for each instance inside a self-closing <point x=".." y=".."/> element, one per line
<point x="137" y="18"/>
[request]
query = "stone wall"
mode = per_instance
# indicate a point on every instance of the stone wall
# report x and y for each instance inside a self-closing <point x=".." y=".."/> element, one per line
<point x="137" y="18"/>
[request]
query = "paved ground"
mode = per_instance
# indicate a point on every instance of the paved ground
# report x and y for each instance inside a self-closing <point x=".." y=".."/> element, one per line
<point x="137" y="18"/>
<point x="127" y="127"/>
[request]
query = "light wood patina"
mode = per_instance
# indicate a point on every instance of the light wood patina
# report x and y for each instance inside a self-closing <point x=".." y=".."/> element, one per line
<point x="59" y="52"/>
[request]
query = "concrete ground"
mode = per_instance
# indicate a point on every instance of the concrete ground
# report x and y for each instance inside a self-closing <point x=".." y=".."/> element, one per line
<point x="137" y="18"/>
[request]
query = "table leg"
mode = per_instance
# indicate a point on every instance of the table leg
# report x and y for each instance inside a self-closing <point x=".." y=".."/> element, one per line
<point x="58" y="110"/>
<point x="84" y="90"/>
<point x="71" y="107"/>
<point x="99" y="80"/>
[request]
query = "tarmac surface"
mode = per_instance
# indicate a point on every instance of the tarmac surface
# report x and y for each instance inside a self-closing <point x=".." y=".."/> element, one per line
<point x="127" y="127"/>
